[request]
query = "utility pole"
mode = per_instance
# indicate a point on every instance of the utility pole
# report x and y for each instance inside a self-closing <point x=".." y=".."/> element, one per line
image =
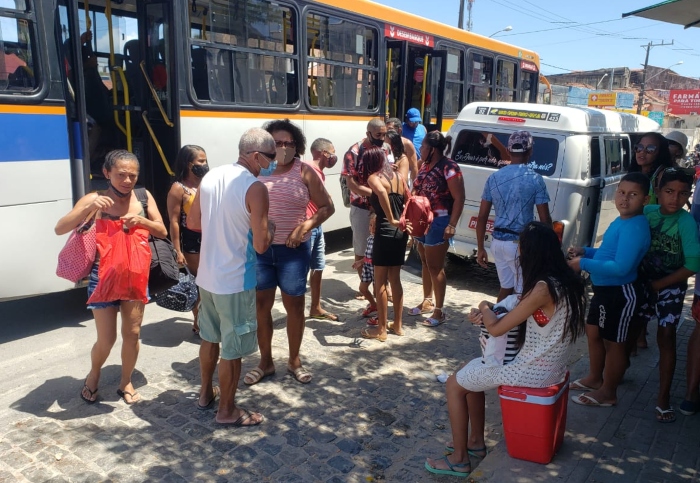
<point x="460" y="23"/>
<point x="469" y="15"/>
<point x="640" y="102"/>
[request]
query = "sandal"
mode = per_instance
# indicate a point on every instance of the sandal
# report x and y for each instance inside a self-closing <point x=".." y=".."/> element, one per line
<point x="93" y="394"/>
<point x="435" y="321"/>
<point x="216" y="392"/>
<point x="373" y="321"/>
<point x="476" y="452"/>
<point x="367" y="335"/>
<point x="391" y="329"/>
<point x="451" y="466"/>
<point x="324" y="316"/>
<point x="135" y="397"/>
<point x="300" y="374"/>
<point x="665" y="415"/>
<point x="369" y="310"/>
<point x="255" y="375"/>
<point x="419" y="311"/>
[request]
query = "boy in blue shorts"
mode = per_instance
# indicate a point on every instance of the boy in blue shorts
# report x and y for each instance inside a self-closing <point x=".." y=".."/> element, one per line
<point x="616" y="293"/>
<point x="673" y="257"/>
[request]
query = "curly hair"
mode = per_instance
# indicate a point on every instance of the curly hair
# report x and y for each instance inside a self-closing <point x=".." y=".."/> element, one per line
<point x="113" y="156"/>
<point x="291" y="128"/>
<point x="185" y="156"/>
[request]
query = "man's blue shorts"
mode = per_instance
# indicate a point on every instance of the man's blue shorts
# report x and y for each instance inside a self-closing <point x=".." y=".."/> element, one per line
<point x="284" y="267"/>
<point x="318" y="249"/>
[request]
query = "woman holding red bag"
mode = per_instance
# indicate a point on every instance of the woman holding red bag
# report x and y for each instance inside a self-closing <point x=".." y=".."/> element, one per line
<point x="117" y="203"/>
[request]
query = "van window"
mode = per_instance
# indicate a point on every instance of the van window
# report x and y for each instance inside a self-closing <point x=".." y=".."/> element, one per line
<point x="626" y="154"/>
<point x="488" y="149"/>
<point x="613" y="156"/>
<point x="595" y="157"/>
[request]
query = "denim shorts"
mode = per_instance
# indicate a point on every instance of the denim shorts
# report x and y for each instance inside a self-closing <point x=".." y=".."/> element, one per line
<point x="284" y="267"/>
<point x="92" y="285"/>
<point x="436" y="232"/>
<point x="318" y="249"/>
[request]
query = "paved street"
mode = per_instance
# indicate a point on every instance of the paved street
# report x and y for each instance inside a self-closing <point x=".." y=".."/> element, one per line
<point x="373" y="410"/>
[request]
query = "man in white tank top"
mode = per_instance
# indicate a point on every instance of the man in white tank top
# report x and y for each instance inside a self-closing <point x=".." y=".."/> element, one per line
<point x="231" y="209"/>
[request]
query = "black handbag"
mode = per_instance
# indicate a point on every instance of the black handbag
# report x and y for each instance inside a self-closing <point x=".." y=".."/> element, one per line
<point x="165" y="272"/>
<point x="182" y="297"/>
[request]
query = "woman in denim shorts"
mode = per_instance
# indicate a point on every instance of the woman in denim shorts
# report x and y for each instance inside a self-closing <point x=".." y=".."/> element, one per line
<point x="118" y="202"/>
<point x="440" y="180"/>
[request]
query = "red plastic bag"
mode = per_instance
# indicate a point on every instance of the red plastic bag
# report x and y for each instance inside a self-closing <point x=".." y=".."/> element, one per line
<point x="125" y="261"/>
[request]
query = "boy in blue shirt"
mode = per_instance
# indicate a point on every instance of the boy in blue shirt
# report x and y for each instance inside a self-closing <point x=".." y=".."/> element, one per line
<point x="674" y="256"/>
<point x="616" y="293"/>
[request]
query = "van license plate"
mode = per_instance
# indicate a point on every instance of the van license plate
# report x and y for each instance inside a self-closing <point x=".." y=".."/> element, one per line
<point x="489" y="224"/>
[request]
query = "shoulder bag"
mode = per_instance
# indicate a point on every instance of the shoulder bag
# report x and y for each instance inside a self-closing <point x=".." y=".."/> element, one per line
<point x="77" y="256"/>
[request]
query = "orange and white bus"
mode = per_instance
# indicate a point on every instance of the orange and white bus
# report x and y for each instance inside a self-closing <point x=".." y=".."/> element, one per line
<point x="201" y="72"/>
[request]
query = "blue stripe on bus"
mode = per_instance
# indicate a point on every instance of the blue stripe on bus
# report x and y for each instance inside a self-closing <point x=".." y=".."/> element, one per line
<point x="33" y="137"/>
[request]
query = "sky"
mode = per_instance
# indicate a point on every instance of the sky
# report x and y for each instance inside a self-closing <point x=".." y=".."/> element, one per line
<point x="610" y="41"/>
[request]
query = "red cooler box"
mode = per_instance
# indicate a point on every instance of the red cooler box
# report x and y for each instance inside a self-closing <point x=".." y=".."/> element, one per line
<point x="534" y="420"/>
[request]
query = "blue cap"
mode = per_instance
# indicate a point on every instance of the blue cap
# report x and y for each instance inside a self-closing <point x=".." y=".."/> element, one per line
<point x="413" y="115"/>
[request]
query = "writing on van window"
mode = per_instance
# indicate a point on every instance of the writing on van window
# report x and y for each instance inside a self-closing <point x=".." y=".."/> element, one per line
<point x="518" y="113"/>
<point x="488" y="149"/>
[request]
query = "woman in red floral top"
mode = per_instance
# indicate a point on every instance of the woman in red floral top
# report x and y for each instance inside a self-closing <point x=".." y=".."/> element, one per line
<point x="440" y="180"/>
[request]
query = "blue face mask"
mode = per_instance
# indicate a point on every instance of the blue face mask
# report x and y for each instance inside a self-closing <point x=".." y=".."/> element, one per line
<point x="269" y="170"/>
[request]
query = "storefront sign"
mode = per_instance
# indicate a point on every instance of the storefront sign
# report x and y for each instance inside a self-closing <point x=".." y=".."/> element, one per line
<point x="601" y="99"/>
<point x="413" y="36"/>
<point x="684" y="102"/>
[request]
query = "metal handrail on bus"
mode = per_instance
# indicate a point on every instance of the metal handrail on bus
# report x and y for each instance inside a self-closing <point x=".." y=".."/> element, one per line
<point x="113" y="72"/>
<point x="127" y="113"/>
<point x="144" y="116"/>
<point x="425" y="82"/>
<point x="388" y="82"/>
<point x="155" y="95"/>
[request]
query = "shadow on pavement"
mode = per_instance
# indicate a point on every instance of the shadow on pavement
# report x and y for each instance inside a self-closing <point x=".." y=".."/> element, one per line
<point x="169" y="332"/>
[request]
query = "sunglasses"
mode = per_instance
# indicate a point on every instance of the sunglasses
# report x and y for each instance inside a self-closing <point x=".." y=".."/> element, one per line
<point x="285" y="144"/>
<point x="270" y="156"/>
<point x="649" y="148"/>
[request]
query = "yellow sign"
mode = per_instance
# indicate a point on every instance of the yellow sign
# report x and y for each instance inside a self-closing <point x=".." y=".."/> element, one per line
<point x="602" y="99"/>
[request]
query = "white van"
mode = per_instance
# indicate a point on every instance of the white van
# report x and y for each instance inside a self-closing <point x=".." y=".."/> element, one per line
<point x="582" y="153"/>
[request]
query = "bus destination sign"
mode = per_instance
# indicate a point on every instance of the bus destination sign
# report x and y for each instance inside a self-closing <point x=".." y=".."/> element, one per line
<point x="399" y="33"/>
<point x="518" y="113"/>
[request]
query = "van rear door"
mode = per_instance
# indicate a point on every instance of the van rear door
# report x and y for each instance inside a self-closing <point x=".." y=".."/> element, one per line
<point x="480" y="151"/>
<point x="614" y="159"/>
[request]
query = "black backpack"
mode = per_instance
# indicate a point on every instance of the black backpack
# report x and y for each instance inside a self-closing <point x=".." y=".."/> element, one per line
<point x="165" y="272"/>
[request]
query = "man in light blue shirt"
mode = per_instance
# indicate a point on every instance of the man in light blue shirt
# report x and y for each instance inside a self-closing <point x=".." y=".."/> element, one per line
<point x="413" y="130"/>
<point x="514" y="191"/>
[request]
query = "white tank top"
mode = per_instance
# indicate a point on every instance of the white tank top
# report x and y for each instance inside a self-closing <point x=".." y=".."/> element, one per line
<point x="227" y="257"/>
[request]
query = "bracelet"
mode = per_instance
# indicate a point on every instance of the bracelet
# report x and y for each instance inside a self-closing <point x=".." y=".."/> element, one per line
<point x="450" y="226"/>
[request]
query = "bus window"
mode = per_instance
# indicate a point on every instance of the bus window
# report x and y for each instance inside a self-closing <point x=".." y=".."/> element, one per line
<point x="20" y="5"/>
<point x="342" y="68"/>
<point x="505" y="81"/>
<point x="481" y="77"/>
<point x="245" y="53"/>
<point x="18" y="69"/>
<point x="454" y="84"/>
<point x="527" y="84"/>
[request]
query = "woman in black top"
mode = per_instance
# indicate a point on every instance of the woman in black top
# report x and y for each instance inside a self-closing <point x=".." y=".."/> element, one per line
<point x="388" y="198"/>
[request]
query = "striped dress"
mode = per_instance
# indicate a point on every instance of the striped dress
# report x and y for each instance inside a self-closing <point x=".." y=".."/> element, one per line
<point x="289" y="197"/>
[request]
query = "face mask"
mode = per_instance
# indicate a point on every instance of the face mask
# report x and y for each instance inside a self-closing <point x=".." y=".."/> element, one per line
<point x="269" y="170"/>
<point x="332" y="159"/>
<point x="285" y="155"/>
<point x="117" y="192"/>
<point x="199" y="170"/>
<point x="377" y="142"/>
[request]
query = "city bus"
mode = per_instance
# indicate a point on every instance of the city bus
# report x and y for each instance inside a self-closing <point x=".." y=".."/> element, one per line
<point x="79" y="78"/>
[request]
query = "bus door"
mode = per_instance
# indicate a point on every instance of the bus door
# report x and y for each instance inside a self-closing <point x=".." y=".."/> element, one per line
<point x="158" y="140"/>
<point x="415" y="75"/>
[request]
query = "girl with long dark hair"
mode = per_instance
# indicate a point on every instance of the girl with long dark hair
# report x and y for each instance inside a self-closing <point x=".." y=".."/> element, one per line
<point x="651" y="157"/>
<point x="554" y="304"/>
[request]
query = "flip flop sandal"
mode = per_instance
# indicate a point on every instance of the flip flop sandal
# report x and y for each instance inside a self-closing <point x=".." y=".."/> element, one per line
<point x="132" y="395"/>
<point x="471" y="452"/>
<point x="434" y="322"/>
<point x="300" y="374"/>
<point x="418" y="311"/>
<point x="373" y="322"/>
<point x="324" y="316"/>
<point x="391" y="329"/>
<point x="451" y="471"/>
<point x="92" y="394"/>
<point x="255" y="375"/>
<point x="365" y="333"/>
<point x="586" y="400"/>
<point x="216" y="391"/>
<point x="238" y="423"/>
<point x="577" y="386"/>
<point x="660" y="413"/>
<point x="369" y="310"/>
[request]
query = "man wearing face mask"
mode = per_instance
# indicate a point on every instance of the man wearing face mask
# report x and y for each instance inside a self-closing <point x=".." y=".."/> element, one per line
<point x="359" y="193"/>
<point x="231" y="210"/>
<point x="323" y="153"/>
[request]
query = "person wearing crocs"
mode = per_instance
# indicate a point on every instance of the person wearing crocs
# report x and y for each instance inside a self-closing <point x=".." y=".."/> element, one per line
<point x="323" y="156"/>
<point x="440" y="180"/>
<point x="231" y="210"/>
<point x="513" y="191"/>
<point x="554" y="305"/>
<point x="616" y="292"/>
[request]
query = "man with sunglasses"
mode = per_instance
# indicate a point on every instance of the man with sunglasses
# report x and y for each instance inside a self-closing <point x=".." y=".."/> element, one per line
<point x="359" y="193"/>
<point x="230" y="205"/>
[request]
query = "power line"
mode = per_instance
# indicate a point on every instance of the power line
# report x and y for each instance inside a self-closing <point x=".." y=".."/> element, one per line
<point x="562" y="28"/>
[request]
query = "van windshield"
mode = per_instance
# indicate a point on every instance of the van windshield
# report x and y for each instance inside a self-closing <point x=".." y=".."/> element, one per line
<point x="488" y="149"/>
